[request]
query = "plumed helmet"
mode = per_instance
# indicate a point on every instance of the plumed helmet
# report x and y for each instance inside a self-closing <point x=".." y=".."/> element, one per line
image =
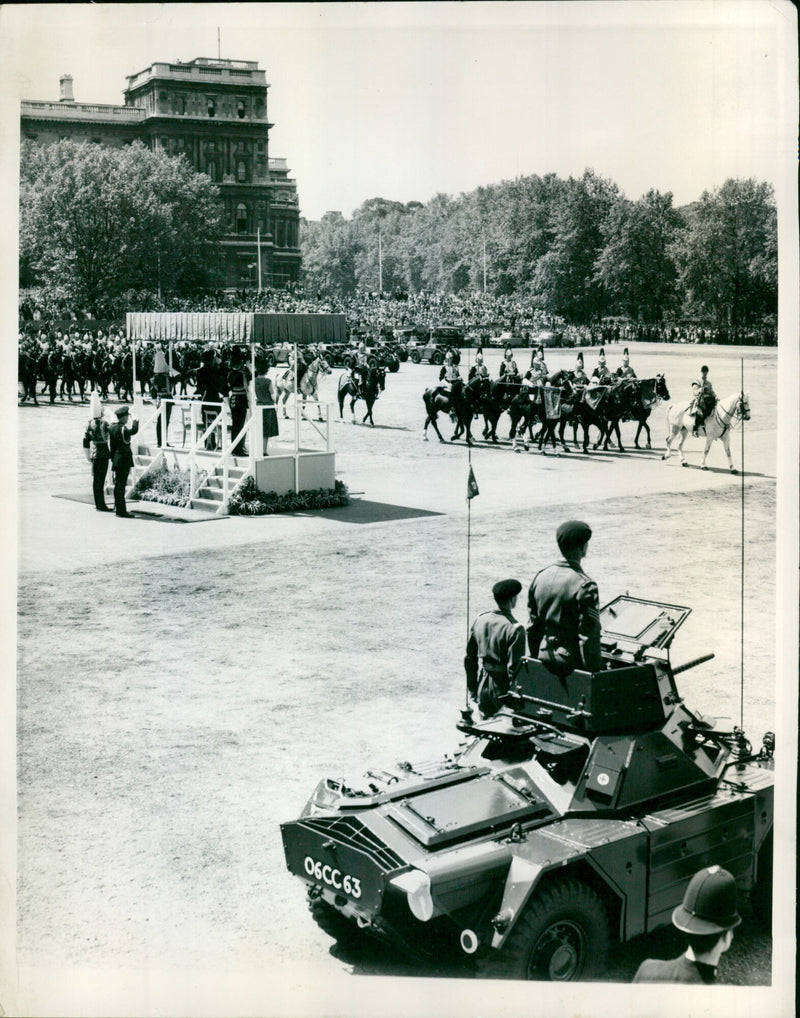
<point x="579" y="361"/>
<point x="709" y="904"/>
<point x="602" y="356"/>
<point x="95" y="406"/>
<point x="505" y="589"/>
<point x="625" y="356"/>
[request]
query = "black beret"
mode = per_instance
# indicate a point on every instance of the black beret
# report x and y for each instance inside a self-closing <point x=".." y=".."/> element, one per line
<point x="704" y="368"/>
<point x="121" y="411"/>
<point x="505" y="589"/>
<point x="573" y="534"/>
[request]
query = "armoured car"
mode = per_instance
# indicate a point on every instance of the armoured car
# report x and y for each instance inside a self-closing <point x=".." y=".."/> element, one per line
<point x="575" y="815"/>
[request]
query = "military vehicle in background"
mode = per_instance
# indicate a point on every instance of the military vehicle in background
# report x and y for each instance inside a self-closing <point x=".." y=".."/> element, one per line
<point x="434" y="345"/>
<point x="577" y="814"/>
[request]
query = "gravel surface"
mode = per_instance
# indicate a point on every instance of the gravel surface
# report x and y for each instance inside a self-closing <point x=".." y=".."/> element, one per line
<point x="182" y="687"/>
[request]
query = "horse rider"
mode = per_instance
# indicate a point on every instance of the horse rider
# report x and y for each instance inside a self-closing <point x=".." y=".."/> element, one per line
<point x="704" y="399"/>
<point x="538" y="368"/>
<point x="563" y="603"/>
<point x="601" y="375"/>
<point x="448" y="374"/>
<point x="495" y="647"/>
<point x="626" y="371"/>
<point x="579" y="376"/>
<point x="302" y="364"/>
<point x="478" y="369"/>
<point x="359" y="368"/>
<point x="508" y="366"/>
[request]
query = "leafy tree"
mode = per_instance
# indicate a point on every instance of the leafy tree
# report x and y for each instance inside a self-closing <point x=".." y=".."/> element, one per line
<point x="329" y="254"/>
<point x="565" y="280"/>
<point x="98" y="221"/>
<point x="636" y="265"/>
<point x="727" y="256"/>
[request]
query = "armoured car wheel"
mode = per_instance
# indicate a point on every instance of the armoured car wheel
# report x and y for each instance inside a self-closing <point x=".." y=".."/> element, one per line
<point x="394" y="364"/>
<point x="761" y="895"/>
<point x="333" y="923"/>
<point x="415" y="357"/>
<point x="437" y="357"/>
<point x="561" y="936"/>
<point x="347" y="363"/>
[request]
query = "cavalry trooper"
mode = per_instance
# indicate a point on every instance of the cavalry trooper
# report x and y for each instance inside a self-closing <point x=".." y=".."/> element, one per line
<point x="538" y="369"/>
<point x="601" y="375"/>
<point x="563" y="603"/>
<point x="707" y="917"/>
<point x="478" y="369"/>
<point x="448" y="374"/>
<point x="626" y="371"/>
<point x="704" y="399"/>
<point x="508" y="366"/>
<point x="495" y="647"/>
<point x="579" y="376"/>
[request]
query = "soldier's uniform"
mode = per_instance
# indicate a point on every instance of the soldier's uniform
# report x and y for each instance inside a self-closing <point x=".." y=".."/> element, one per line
<point x="601" y="375"/>
<point x="626" y="371"/>
<point x="704" y="399"/>
<point x="564" y="609"/>
<point x="495" y="647"/>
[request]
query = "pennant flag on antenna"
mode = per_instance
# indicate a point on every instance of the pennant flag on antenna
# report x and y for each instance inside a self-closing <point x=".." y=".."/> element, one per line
<point x="472" y="485"/>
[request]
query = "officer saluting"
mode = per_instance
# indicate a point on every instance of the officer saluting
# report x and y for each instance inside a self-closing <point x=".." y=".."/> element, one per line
<point x="564" y="607"/>
<point x="495" y="647"/>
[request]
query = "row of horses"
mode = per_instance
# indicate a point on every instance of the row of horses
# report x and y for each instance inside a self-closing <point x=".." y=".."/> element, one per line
<point x="562" y="402"/>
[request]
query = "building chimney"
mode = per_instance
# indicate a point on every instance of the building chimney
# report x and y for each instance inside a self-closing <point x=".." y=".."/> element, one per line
<point x="66" y="89"/>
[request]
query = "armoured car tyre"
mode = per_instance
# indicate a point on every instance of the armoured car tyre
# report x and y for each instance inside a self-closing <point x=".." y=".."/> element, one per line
<point x="333" y="923"/>
<point x="761" y="895"/>
<point x="269" y="360"/>
<point x="437" y="357"/>
<point x="347" y="363"/>
<point x="372" y="362"/>
<point x="415" y="357"/>
<point x="561" y="936"/>
<point x="394" y="364"/>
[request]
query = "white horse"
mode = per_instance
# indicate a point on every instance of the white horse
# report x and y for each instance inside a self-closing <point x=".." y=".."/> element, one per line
<point x="725" y="415"/>
<point x="309" y="383"/>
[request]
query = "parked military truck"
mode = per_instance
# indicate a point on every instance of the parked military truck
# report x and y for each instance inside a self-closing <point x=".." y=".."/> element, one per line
<point x="576" y="814"/>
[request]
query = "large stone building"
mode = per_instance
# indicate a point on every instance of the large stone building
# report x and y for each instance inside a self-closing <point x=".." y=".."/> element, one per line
<point x="215" y="113"/>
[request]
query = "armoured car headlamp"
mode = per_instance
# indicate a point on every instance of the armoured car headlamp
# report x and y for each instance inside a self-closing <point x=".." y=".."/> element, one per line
<point x="417" y="887"/>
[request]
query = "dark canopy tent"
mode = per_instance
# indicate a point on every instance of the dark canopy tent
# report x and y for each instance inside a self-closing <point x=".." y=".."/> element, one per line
<point x="236" y="327"/>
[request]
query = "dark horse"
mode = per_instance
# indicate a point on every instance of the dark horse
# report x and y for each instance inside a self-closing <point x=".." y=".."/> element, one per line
<point x="648" y="394"/>
<point x="373" y="384"/>
<point x="463" y="403"/>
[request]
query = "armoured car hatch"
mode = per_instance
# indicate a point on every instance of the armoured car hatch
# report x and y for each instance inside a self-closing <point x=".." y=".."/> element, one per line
<point x="636" y="624"/>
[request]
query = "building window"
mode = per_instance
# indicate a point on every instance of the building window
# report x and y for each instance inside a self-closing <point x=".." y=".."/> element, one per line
<point x="211" y="106"/>
<point x="211" y="170"/>
<point x="241" y="172"/>
<point x="241" y="218"/>
<point x="241" y="109"/>
<point x="181" y="105"/>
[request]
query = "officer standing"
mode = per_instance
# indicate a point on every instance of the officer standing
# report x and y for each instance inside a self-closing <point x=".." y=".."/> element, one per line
<point x="708" y="917"/>
<point x="95" y="445"/>
<point x="563" y="602"/>
<point x="119" y="437"/>
<point x="495" y="647"/>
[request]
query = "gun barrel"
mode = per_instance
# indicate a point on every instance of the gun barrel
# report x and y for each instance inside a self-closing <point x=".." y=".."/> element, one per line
<point x="692" y="664"/>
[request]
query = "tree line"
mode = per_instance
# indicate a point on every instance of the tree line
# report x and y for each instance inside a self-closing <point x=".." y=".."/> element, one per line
<point x="577" y="247"/>
<point x="108" y="229"/>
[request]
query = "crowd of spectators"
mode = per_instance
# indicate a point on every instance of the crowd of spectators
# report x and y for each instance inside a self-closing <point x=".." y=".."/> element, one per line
<point x="480" y="316"/>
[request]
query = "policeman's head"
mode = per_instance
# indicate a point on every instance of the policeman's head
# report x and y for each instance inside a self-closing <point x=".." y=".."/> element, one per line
<point x="505" y="593"/>
<point x="708" y="914"/>
<point x="573" y="537"/>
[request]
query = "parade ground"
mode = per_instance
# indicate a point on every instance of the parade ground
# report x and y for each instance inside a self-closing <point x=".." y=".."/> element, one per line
<point x="182" y="686"/>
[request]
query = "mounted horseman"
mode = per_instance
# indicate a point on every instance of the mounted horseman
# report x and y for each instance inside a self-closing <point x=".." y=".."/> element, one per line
<point x="368" y="389"/>
<point x="462" y="402"/>
<point x="625" y="370"/>
<point x="704" y="399"/>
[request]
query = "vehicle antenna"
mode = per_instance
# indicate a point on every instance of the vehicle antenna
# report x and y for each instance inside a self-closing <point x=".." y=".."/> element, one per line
<point x="741" y="579"/>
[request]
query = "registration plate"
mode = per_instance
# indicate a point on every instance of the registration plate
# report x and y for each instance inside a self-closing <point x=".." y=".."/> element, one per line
<point x="335" y="865"/>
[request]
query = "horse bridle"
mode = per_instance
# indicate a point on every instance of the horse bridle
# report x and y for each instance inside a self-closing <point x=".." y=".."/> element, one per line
<point x="736" y="413"/>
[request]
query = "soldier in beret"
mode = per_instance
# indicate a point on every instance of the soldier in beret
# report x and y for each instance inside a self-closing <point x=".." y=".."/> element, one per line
<point x="563" y="602"/>
<point x="708" y="917"/>
<point x="495" y="647"/>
